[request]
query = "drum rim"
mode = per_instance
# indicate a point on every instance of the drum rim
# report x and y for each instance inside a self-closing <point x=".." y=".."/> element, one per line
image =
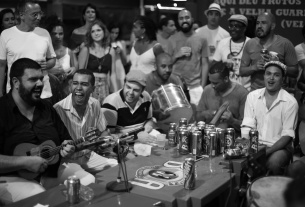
<point x="250" y="187"/>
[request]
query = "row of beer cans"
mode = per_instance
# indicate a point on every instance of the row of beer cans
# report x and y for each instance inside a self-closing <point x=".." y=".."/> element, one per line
<point x="201" y="138"/>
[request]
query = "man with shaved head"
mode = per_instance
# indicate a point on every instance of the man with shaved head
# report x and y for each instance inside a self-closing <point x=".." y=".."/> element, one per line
<point x="280" y="48"/>
<point x="190" y="56"/>
<point x="163" y="74"/>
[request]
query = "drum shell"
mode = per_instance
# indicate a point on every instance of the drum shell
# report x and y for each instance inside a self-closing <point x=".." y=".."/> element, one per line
<point x="171" y="99"/>
<point x="267" y="191"/>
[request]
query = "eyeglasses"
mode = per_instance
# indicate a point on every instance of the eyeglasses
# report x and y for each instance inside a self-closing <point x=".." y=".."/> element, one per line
<point x="235" y="26"/>
<point x="36" y="14"/>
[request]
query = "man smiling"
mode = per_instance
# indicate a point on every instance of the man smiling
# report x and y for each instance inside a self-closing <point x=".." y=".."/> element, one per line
<point x="130" y="107"/>
<point x="273" y="112"/>
<point x="27" y="40"/>
<point x="80" y="112"/>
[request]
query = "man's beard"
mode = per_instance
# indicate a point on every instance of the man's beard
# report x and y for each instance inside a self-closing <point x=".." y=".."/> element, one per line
<point x="27" y="96"/>
<point x="186" y="29"/>
<point x="265" y="34"/>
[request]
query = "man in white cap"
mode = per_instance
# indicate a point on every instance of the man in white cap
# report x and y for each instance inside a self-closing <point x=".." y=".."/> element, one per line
<point x="230" y="49"/>
<point x="273" y="112"/>
<point x="190" y="56"/>
<point x="212" y="32"/>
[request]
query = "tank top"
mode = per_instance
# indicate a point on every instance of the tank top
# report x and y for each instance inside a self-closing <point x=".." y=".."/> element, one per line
<point x="64" y="61"/>
<point x="144" y="62"/>
<point x="94" y="63"/>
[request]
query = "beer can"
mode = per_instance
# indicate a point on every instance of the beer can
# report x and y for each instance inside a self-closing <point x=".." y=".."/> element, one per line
<point x="206" y="141"/>
<point x="189" y="171"/>
<point x="213" y="144"/>
<point x="183" y="142"/>
<point x="183" y="122"/>
<point x="182" y="128"/>
<point x="230" y="138"/>
<point x="196" y="143"/>
<point x="73" y="187"/>
<point x="221" y="140"/>
<point x="253" y="134"/>
<point x="171" y="135"/>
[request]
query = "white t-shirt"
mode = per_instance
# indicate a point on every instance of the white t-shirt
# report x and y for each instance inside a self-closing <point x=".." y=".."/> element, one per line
<point x="222" y="53"/>
<point x="213" y="37"/>
<point x="16" y="44"/>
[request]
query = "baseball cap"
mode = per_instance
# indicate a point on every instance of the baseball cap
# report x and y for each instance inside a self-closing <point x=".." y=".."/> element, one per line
<point x="136" y="76"/>
<point x="214" y="7"/>
<point x="239" y="18"/>
<point x="282" y="66"/>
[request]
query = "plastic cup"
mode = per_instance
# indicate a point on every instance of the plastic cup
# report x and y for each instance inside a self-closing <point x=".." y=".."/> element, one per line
<point x="245" y="132"/>
<point x="161" y="139"/>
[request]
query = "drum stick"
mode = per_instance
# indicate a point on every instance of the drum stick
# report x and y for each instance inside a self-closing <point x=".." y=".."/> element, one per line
<point x="220" y="111"/>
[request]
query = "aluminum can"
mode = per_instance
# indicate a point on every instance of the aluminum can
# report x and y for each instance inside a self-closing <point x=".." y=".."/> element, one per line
<point x="171" y="135"/>
<point x="183" y="122"/>
<point x="213" y="144"/>
<point x="183" y="142"/>
<point x="221" y="140"/>
<point x="189" y="173"/>
<point x="182" y="128"/>
<point x="196" y="148"/>
<point x="73" y="187"/>
<point x="206" y="141"/>
<point x="253" y="134"/>
<point x="230" y="138"/>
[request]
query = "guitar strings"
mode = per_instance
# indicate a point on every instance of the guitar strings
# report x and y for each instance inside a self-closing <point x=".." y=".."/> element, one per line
<point x="56" y="149"/>
<point x="76" y="142"/>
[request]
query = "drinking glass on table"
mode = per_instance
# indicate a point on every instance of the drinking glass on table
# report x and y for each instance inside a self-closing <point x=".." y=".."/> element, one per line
<point x="161" y="140"/>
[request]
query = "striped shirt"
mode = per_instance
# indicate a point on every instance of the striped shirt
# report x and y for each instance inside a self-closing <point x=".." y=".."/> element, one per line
<point x="76" y="126"/>
<point x="121" y="116"/>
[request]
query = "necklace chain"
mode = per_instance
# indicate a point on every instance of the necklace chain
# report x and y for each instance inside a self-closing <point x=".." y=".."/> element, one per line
<point x="239" y="50"/>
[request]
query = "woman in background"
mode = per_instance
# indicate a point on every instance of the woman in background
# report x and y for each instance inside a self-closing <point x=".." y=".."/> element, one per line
<point x="7" y="18"/>
<point x="66" y="61"/>
<point x="120" y="55"/>
<point x="145" y="48"/>
<point x="98" y="56"/>
<point x="89" y="15"/>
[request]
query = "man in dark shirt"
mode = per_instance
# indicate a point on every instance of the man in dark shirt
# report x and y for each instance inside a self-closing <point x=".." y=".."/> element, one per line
<point x="25" y="118"/>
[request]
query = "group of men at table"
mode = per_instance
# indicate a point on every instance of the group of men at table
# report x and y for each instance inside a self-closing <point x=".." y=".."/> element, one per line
<point x="26" y="118"/>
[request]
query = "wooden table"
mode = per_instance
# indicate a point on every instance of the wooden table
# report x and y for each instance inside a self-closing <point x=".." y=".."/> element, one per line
<point x="212" y="179"/>
<point x="56" y="198"/>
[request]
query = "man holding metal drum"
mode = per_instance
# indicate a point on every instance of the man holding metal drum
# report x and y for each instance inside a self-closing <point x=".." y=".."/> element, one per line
<point x="162" y="75"/>
<point x="222" y="90"/>
<point x="273" y="112"/>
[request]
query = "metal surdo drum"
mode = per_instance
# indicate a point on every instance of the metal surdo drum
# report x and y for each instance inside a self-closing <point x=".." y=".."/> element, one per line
<point x="170" y="98"/>
<point x="268" y="191"/>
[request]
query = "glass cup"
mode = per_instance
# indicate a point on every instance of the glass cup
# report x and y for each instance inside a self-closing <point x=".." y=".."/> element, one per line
<point x="161" y="140"/>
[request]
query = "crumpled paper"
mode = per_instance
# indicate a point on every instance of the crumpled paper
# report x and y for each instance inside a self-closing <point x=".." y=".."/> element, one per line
<point x="142" y="149"/>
